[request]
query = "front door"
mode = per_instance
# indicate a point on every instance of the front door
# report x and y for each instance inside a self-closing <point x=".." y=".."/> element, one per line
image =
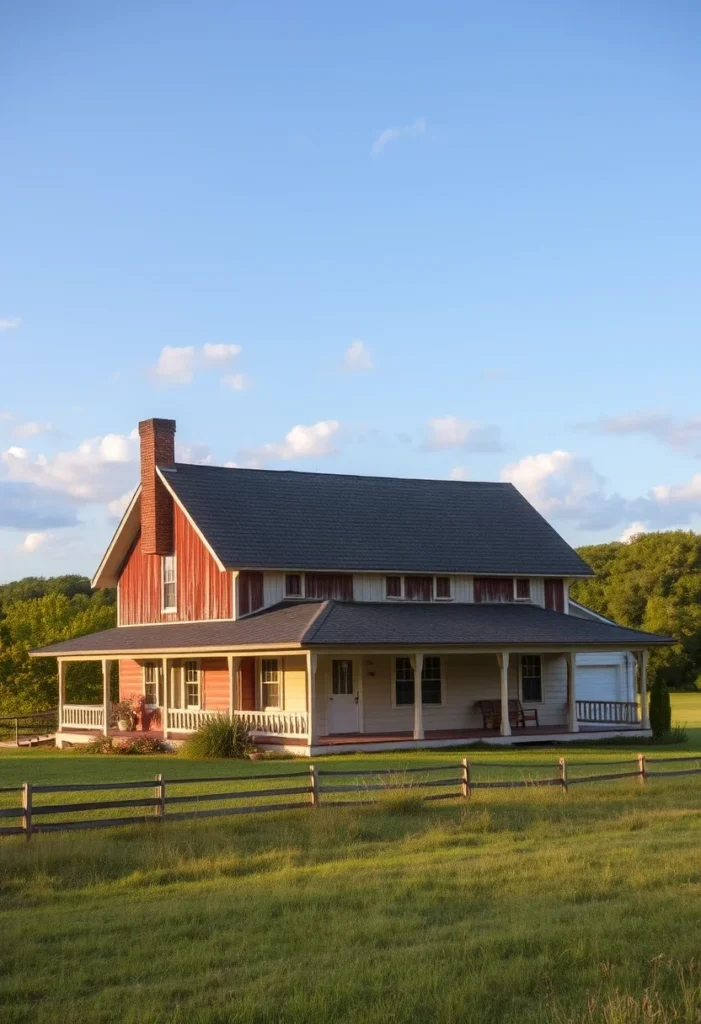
<point x="343" y="700"/>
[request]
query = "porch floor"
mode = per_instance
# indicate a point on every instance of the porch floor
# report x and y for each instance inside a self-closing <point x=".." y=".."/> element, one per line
<point x="466" y="734"/>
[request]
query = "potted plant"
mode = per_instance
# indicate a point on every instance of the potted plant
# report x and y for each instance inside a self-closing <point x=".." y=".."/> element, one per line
<point x="123" y="715"/>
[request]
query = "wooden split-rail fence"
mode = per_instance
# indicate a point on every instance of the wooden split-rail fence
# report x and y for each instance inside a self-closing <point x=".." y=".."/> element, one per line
<point x="316" y="786"/>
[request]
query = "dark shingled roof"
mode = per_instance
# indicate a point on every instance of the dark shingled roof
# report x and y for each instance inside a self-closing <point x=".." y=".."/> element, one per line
<point x="271" y="519"/>
<point x="338" y="623"/>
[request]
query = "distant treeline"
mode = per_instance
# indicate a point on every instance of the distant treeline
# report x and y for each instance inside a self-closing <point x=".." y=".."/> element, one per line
<point x="35" y="612"/>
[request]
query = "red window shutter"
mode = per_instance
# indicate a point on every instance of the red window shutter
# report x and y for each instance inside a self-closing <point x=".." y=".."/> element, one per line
<point x="493" y="589"/>
<point x="418" y="588"/>
<point x="555" y="595"/>
<point x="325" y="586"/>
<point x="393" y="586"/>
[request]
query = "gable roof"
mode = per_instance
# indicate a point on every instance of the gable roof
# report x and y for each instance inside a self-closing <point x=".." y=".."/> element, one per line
<point x="382" y="624"/>
<point x="274" y="519"/>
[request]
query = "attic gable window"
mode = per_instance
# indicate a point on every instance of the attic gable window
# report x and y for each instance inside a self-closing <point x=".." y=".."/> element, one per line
<point x="168" y="584"/>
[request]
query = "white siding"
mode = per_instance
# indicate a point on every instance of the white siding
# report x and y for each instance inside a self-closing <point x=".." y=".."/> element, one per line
<point x="538" y="591"/>
<point x="466" y="678"/>
<point x="273" y="588"/>
<point x="369" y="586"/>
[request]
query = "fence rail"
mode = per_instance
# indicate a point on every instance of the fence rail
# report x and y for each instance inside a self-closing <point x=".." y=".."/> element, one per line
<point x="26" y="727"/>
<point x="318" y="788"/>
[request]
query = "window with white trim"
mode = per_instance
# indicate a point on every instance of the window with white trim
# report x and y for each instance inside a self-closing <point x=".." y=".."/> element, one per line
<point x="192" y="684"/>
<point x="151" y="684"/>
<point x="531" y="678"/>
<point x="393" y="586"/>
<point x="169" y="601"/>
<point x="293" y="584"/>
<point x="270" y="682"/>
<point x="443" y="588"/>
<point x="431" y="690"/>
<point x="522" y="588"/>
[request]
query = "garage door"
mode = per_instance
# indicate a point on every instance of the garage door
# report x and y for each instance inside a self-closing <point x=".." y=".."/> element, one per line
<point x="598" y="682"/>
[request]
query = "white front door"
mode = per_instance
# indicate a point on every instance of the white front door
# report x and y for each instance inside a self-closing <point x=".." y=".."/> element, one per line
<point x="343" y="699"/>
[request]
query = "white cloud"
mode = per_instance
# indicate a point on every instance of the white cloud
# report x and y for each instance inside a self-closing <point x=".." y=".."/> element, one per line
<point x="196" y="454"/>
<point x="98" y="470"/>
<point x="178" y="365"/>
<point x="175" y="365"/>
<point x="31" y="429"/>
<point x="388" y="135"/>
<point x="33" y="541"/>
<point x="219" y="355"/>
<point x="680" y="493"/>
<point x="5" y="415"/>
<point x="446" y="432"/>
<point x="118" y="506"/>
<point x="357" y="356"/>
<point x="632" y="531"/>
<point x="235" y="381"/>
<point x="300" y="443"/>
<point x="9" y="323"/>
<point x="459" y="473"/>
<point x="680" y="434"/>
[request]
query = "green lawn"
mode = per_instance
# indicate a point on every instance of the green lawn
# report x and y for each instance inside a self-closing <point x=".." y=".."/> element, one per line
<point x="519" y="906"/>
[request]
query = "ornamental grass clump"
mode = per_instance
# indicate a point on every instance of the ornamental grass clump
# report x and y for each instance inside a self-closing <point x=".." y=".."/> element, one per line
<point x="219" y="736"/>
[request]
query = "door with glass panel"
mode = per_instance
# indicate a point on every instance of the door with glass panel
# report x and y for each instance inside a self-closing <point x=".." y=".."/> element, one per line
<point x="343" y="699"/>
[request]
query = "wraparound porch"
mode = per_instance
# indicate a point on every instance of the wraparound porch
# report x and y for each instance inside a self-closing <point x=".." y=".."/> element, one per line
<point x="388" y="700"/>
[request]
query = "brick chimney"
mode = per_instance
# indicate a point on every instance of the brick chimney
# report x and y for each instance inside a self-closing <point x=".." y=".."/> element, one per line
<point x="157" y="449"/>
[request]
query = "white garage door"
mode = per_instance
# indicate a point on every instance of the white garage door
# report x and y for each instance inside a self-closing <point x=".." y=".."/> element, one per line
<point x="598" y="682"/>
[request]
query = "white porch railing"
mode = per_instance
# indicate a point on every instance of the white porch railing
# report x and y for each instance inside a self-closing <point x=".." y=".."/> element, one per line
<point x="89" y="716"/>
<point x="275" y="723"/>
<point x="609" y="712"/>
<point x="189" y="719"/>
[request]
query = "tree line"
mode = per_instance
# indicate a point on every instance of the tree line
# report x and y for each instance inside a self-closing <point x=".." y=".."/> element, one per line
<point x="652" y="582"/>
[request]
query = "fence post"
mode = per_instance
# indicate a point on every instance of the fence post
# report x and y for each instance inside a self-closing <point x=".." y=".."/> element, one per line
<point x="563" y="775"/>
<point x="160" y="794"/>
<point x="641" y="769"/>
<point x="27" y="808"/>
<point x="314" y="781"/>
<point x="465" y="778"/>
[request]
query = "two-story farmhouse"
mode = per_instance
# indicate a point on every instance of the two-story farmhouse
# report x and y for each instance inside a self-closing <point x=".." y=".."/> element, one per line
<point x="348" y="612"/>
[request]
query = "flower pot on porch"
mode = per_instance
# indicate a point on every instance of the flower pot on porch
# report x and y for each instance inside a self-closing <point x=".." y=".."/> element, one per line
<point x="124" y="725"/>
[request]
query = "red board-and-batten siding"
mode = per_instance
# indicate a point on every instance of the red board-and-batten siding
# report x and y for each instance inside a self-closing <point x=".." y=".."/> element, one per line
<point x="203" y="590"/>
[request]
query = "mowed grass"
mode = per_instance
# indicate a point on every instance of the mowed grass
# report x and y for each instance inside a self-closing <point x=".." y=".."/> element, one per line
<point x="520" y="905"/>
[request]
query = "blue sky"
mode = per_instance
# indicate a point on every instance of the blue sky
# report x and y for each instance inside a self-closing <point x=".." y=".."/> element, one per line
<point x="426" y="239"/>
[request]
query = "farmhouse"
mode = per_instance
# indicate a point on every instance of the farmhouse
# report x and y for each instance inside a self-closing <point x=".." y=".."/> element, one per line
<point x="347" y="613"/>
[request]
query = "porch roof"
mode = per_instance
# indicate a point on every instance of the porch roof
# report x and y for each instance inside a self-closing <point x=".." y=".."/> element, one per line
<point x="385" y="624"/>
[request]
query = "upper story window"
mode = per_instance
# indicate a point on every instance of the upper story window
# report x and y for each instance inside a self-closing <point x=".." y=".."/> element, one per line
<point x="293" y="584"/>
<point x="168" y="584"/>
<point x="522" y="589"/>
<point x="419" y="588"/>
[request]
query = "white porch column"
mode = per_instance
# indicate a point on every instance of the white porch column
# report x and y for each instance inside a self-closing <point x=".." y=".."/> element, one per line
<point x="572" y="723"/>
<point x="503" y="659"/>
<point x="165" y="665"/>
<point x="418" y="666"/>
<point x="234" y="664"/>
<point x="62" y="666"/>
<point x="106" y="699"/>
<point x="312" y="660"/>
<point x="644" y="710"/>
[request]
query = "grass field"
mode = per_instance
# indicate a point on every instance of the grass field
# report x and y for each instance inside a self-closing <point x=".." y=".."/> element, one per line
<point x="519" y="906"/>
